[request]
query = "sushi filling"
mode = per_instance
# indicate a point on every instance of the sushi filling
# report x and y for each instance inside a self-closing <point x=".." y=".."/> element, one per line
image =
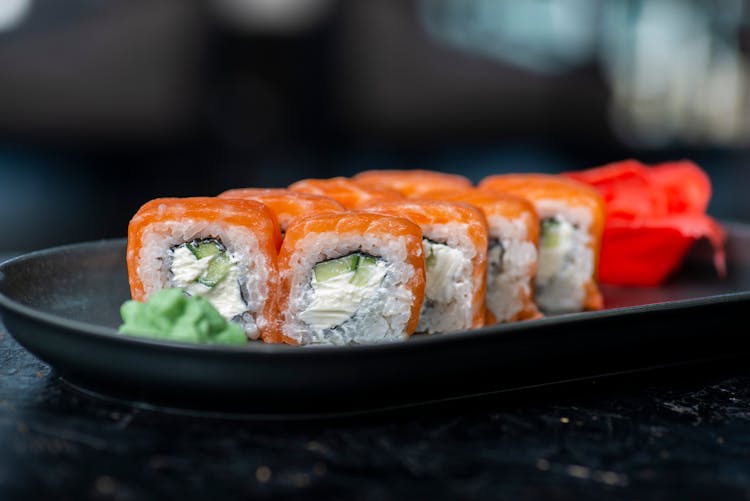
<point x="495" y="255"/>
<point x="445" y="283"/>
<point x="565" y="263"/>
<point x="496" y="287"/>
<point x="556" y="250"/>
<point x="342" y="288"/>
<point x="204" y="267"/>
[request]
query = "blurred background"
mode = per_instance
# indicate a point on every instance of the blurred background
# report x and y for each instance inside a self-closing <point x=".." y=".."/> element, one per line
<point x="105" y="104"/>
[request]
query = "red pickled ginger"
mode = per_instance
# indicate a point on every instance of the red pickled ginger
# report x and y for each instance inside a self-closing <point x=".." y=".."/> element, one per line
<point x="654" y="216"/>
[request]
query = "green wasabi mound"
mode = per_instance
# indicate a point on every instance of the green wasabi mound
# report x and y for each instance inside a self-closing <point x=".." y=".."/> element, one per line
<point x="170" y="314"/>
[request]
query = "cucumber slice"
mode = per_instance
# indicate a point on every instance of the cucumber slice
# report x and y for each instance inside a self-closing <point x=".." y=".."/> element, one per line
<point x="550" y="233"/>
<point x="326" y="270"/>
<point x="204" y="248"/>
<point x="365" y="270"/>
<point x="430" y="257"/>
<point x="216" y="271"/>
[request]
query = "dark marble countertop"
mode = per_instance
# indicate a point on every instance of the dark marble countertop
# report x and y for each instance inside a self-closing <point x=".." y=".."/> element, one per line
<point x="678" y="433"/>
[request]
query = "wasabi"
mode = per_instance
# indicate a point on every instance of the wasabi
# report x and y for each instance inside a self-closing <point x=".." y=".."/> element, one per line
<point x="170" y="314"/>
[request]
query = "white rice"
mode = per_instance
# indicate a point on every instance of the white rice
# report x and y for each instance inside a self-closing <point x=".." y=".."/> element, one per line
<point x="383" y="317"/>
<point x="241" y="244"/>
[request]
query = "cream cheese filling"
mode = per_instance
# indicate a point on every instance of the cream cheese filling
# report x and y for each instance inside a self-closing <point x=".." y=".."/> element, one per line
<point x="443" y="268"/>
<point x="555" y="246"/>
<point x="225" y="296"/>
<point x="336" y="299"/>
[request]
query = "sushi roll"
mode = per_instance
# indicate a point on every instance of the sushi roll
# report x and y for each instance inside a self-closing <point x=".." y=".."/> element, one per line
<point x="454" y="239"/>
<point x="349" y="278"/>
<point x="512" y="252"/>
<point x="286" y="204"/>
<point x="221" y="249"/>
<point x="413" y="183"/>
<point x="571" y="223"/>
<point x="349" y="193"/>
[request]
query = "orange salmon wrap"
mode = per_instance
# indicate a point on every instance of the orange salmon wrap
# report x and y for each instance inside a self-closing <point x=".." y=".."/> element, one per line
<point x="572" y="220"/>
<point x="413" y="183"/>
<point x="286" y="204"/>
<point x="349" y="278"/>
<point x="349" y="193"/>
<point x="513" y="229"/>
<point x="222" y="249"/>
<point x="454" y="238"/>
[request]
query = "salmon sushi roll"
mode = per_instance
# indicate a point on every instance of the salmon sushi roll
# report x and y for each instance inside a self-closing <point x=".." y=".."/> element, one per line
<point x="349" y="278"/>
<point x="572" y="221"/>
<point x="286" y="204"/>
<point x="349" y="193"/>
<point x="413" y="183"/>
<point x="512" y="252"/>
<point x="454" y="239"/>
<point x="221" y="249"/>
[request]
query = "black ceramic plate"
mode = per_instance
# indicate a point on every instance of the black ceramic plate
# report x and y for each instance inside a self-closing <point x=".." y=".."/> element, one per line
<point x="62" y="305"/>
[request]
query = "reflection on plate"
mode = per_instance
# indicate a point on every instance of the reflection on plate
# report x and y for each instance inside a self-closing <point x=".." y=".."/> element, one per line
<point x="62" y="305"/>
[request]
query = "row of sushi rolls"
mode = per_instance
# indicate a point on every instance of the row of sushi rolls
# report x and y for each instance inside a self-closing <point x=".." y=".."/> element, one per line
<point x="371" y="258"/>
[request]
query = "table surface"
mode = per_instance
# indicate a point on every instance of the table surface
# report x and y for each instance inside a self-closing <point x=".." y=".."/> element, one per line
<point x="667" y="434"/>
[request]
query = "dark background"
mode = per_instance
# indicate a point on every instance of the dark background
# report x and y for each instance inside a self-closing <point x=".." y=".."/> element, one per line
<point x="107" y="104"/>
